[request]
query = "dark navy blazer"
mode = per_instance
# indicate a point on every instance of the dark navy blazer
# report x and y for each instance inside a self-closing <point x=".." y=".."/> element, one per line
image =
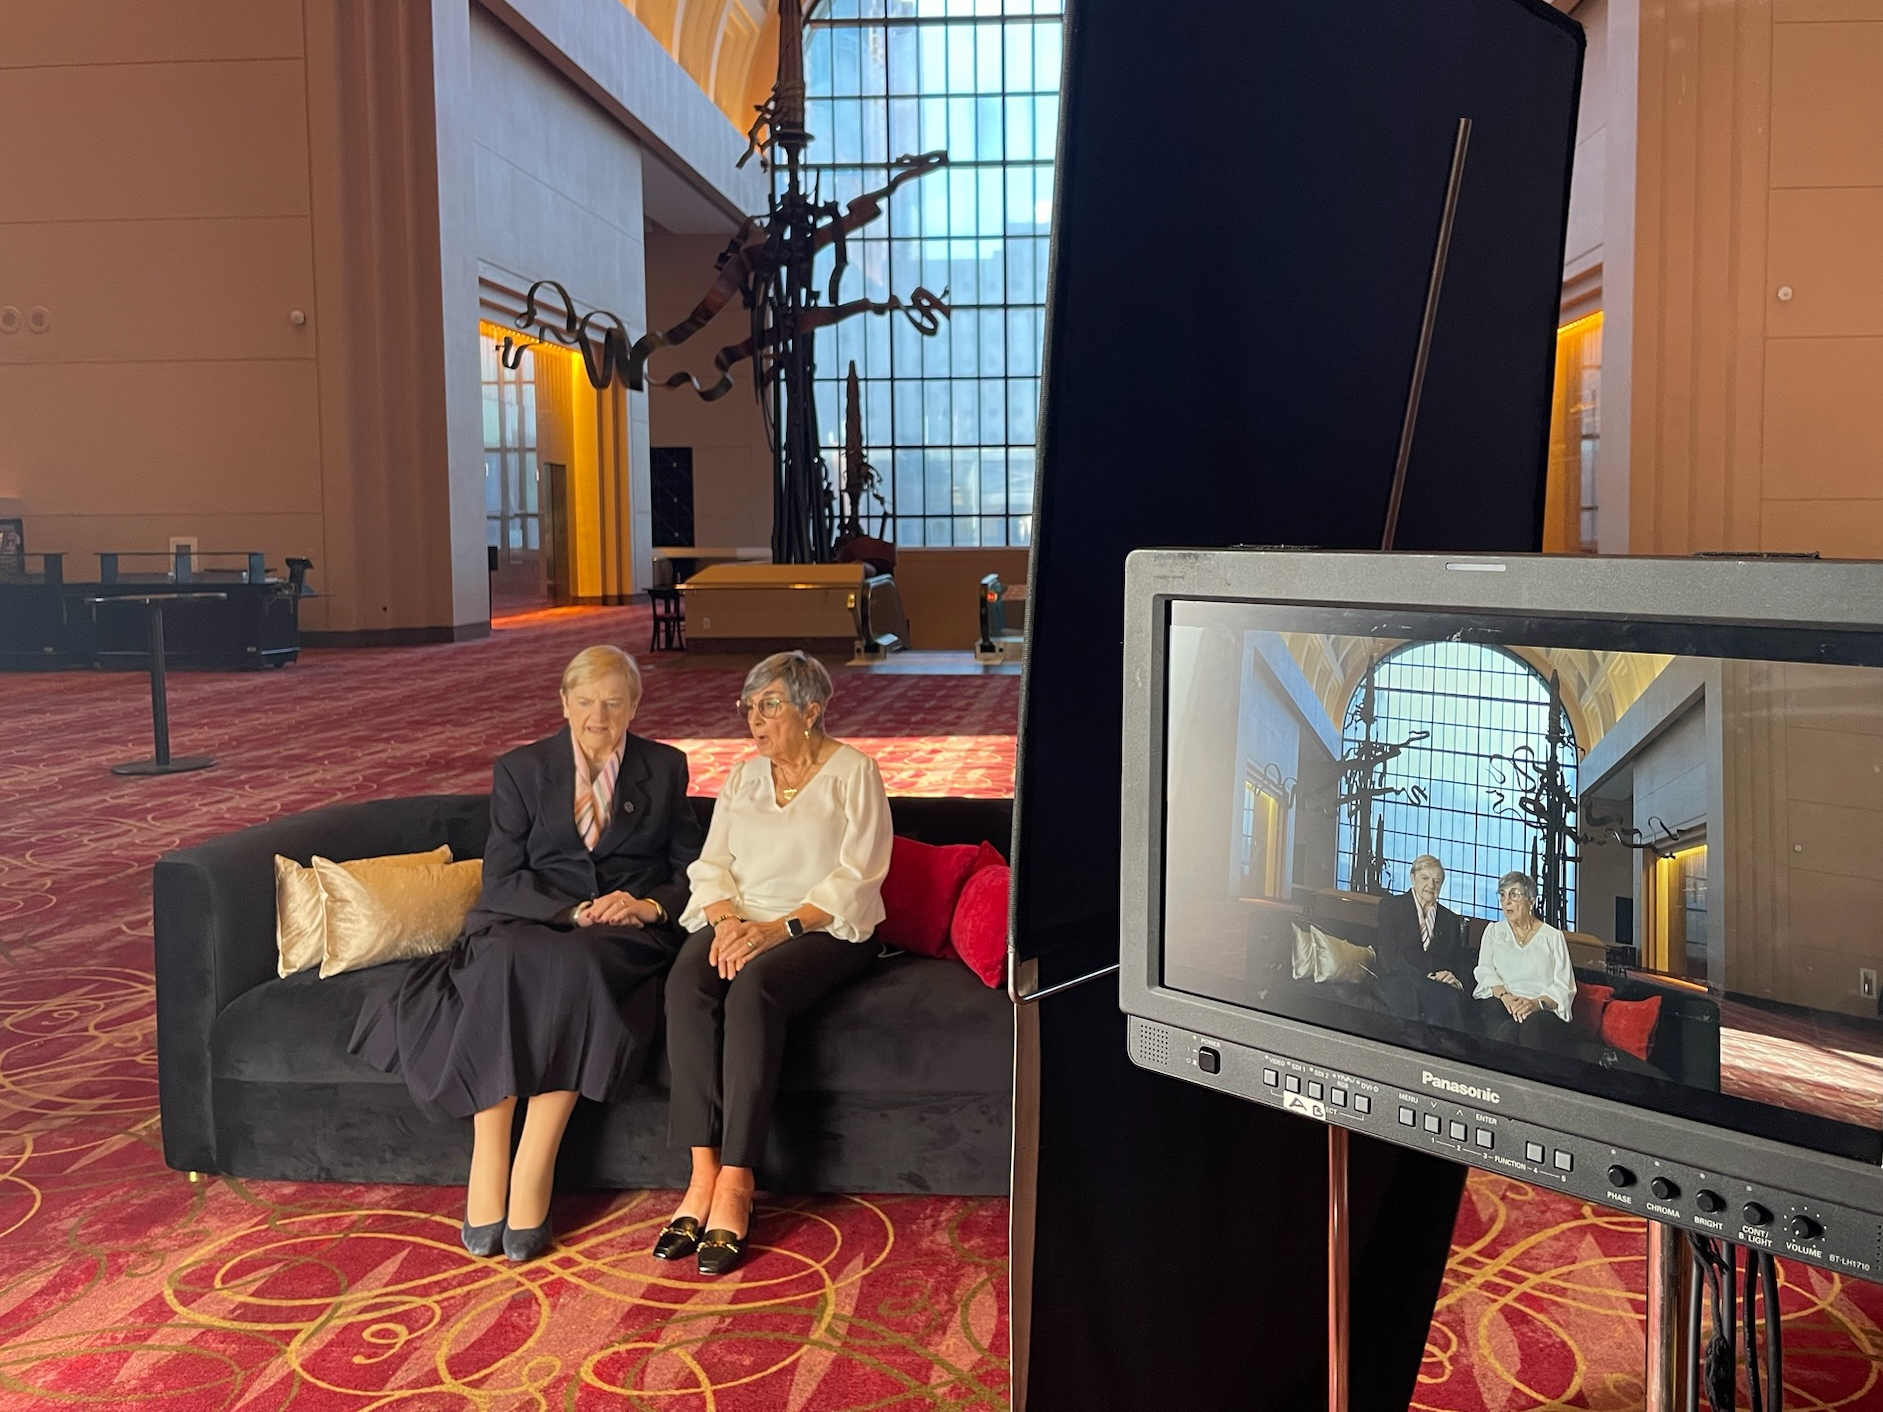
<point x="535" y="863"/>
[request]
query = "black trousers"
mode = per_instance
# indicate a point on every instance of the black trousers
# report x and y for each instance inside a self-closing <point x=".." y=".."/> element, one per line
<point x="1545" y="1029"/>
<point x="726" y="1039"/>
<point x="1412" y="996"/>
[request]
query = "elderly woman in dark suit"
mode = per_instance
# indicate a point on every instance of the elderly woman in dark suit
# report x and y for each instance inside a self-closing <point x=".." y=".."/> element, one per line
<point x="547" y="995"/>
<point x="786" y="893"/>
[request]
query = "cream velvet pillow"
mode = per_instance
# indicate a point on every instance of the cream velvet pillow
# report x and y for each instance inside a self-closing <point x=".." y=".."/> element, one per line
<point x="375" y="915"/>
<point x="1329" y="958"/>
<point x="301" y="907"/>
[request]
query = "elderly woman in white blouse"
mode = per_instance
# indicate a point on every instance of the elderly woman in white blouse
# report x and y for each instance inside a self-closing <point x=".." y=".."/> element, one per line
<point x="1525" y="982"/>
<point x="785" y="895"/>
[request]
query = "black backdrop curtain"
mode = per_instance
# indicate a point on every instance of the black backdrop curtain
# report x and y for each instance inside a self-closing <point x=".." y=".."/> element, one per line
<point x="1249" y="194"/>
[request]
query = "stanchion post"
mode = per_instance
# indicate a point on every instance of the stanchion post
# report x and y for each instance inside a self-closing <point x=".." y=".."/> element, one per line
<point x="1671" y="1290"/>
<point x="1338" y="1268"/>
<point x="159" y="690"/>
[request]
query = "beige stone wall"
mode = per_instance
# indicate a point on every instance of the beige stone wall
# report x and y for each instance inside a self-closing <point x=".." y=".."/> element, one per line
<point x="1760" y="176"/>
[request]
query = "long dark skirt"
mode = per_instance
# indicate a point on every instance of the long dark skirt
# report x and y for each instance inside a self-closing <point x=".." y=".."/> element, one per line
<point x="522" y="1008"/>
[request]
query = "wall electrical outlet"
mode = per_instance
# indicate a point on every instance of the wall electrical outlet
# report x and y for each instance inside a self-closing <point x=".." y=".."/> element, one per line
<point x="1866" y="983"/>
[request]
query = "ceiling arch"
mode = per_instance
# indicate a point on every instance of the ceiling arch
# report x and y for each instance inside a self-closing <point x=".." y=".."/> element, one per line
<point x="728" y="47"/>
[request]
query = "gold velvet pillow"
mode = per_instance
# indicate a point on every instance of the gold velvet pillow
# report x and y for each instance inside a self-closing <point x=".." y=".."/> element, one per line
<point x="1329" y="958"/>
<point x="301" y="907"/>
<point x="375" y="915"/>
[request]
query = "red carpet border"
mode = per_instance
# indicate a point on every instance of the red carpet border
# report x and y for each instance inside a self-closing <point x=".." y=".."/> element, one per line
<point x="123" y="1283"/>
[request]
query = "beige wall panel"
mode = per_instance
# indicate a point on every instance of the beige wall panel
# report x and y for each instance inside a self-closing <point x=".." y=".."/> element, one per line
<point x="36" y="32"/>
<point x="1823" y="439"/>
<point x="1831" y="913"/>
<point x="155" y="140"/>
<point x="1827" y="104"/>
<point x="1817" y="11"/>
<point x="1837" y="529"/>
<point x="1827" y="980"/>
<point x="1825" y="245"/>
<point x="1828" y="839"/>
<point x="277" y="536"/>
<point x="1588" y="180"/>
<point x="1835" y="767"/>
<point x="226" y="292"/>
<point x="1838" y="699"/>
<point x="1671" y="776"/>
<point x="183" y="438"/>
<point x="536" y="232"/>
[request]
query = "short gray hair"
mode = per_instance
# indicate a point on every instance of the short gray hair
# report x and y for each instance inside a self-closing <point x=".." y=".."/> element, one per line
<point x="804" y="678"/>
<point x="1523" y="882"/>
<point x="1424" y="863"/>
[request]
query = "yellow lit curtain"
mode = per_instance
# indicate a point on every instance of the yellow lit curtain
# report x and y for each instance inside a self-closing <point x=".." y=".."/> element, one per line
<point x="1569" y="513"/>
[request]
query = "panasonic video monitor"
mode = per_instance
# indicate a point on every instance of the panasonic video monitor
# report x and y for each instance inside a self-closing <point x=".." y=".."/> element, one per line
<point x="1571" y="869"/>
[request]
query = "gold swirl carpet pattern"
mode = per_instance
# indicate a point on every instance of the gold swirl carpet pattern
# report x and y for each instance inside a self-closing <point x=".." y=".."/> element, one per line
<point x="125" y="1285"/>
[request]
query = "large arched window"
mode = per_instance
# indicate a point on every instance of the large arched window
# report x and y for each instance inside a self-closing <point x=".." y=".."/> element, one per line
<point x="1457" y="793"/>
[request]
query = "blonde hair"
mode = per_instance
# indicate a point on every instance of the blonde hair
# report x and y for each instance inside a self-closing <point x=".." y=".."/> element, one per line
<point x="593" y="662"/>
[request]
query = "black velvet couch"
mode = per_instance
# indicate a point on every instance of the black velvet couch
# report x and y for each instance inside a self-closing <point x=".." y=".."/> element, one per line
<point x="1685" y="1044"/>
<point x="901" y="1082"/>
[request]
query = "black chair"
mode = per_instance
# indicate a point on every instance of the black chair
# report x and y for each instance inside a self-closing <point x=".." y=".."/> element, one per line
<point x="670" y="620"/>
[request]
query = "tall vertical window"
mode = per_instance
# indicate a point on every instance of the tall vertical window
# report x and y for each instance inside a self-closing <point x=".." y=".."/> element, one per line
<point x="1483" y="709"/>
<point x="1569" y="524"/>
<point x="950" y="420"/>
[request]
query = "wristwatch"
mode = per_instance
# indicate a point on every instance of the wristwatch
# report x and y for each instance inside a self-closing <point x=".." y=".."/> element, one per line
<point x="793" y="927"/>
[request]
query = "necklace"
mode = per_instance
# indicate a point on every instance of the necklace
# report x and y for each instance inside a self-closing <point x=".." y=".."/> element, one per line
<point x="803" y="776"/>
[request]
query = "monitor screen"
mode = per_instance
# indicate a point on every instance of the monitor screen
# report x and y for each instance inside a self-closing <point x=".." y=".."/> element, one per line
<point x="1640" y="860"/>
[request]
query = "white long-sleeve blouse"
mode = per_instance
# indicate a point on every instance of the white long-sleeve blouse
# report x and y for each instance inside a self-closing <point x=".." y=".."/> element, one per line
<point x="829" y="847"/>
<point x="1539" y="968"/>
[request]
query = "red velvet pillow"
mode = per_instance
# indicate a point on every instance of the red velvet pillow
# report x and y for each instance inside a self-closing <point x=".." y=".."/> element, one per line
<point x="920" y="891"/>
<point x="1628" y="1025"/>
<point x="979" y="930"/>
<point x="1591" y="1001"/>
<point x="988" y="856"/>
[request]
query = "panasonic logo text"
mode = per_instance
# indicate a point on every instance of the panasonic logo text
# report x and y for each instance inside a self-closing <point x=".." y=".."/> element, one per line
<point x="1484" y="1095"/>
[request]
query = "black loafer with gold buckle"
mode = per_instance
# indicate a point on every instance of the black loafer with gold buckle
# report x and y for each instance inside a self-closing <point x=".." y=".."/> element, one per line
<point x="677" y="1239"/>
<point x="721" y="1251"/>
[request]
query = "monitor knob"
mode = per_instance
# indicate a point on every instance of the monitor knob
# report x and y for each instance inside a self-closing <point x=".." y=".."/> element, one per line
<point x="1755" y="1214"/>
<point x="1620" y="1178"/>
<point x="1664" y="1189"/>
<point x="1804" y="1228"/>
<point x="1709" y="1201"/>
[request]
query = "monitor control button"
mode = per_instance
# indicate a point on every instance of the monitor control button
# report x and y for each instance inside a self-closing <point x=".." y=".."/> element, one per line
<point x="1709" y="1201"/>
<point x="1458" y="1131"/>
<point x="1664" y="1189"/>
<point x="1294" y="1083"/>
<point x="1485" y="1138"/>
<point x="1620" y="1178"/>
<point x="1209" y="1061"/>
<point x="1362" y="1104"/>
<point x="1533" y="1152"/>
<point x="1804" y="1228"/>
<point x="1755" y="1214"/>
<point x="1339" y="1096"/>
<point x="1271" y="1078"/>
<point x="1316" y="1090"/>
<point x="1562" y="1161"/>
<point x="1433" y="1123"/>
<point x="1407" y="1118"/>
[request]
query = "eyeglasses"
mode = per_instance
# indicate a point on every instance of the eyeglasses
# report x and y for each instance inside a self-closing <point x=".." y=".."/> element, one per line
<point x="770" y="707"/>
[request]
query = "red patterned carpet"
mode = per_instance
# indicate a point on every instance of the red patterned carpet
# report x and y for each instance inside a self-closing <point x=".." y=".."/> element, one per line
<point x="122" y="1283"/>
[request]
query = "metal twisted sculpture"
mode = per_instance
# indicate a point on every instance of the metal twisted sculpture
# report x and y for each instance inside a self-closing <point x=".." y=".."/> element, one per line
<point x="1361" y="784"/>
<point x="769" y="265"/>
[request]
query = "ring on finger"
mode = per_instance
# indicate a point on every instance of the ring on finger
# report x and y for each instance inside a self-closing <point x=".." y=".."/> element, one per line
<point x="751" y="945"/>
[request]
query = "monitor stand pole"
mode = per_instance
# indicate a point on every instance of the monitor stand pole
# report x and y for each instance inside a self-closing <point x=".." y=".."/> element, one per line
<point x="1672" y="1302"/>
<point x="1338" y="1268"/>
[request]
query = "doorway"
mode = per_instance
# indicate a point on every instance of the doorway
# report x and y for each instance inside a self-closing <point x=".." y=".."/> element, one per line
<point x="514" y="499"/>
